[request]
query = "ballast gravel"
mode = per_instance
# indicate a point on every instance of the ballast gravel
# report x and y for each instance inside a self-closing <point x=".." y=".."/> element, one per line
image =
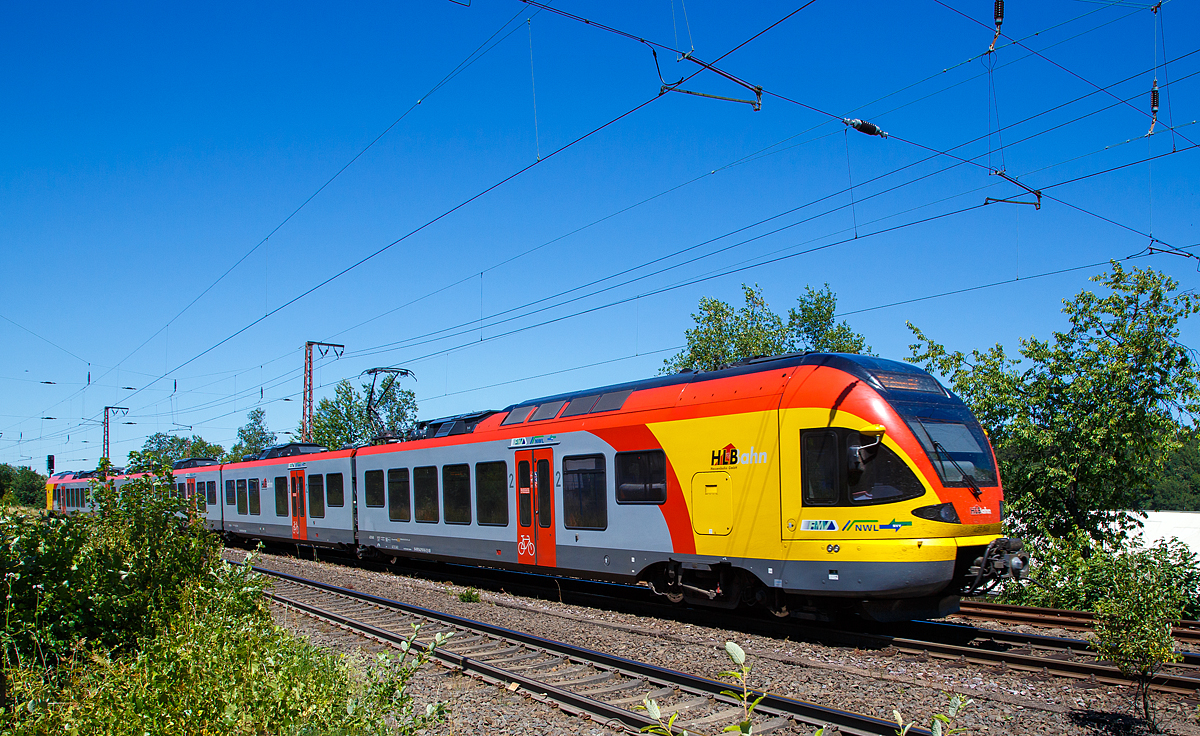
<point x="869" y="682"/>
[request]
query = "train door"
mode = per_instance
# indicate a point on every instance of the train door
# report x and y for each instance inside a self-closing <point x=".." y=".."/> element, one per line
<point x="535" y="507"/>
<point x="191" y="494"/>
<point x="299" y="521"/>
<point x="526" y="548"/>
<point x="543" y="499"/>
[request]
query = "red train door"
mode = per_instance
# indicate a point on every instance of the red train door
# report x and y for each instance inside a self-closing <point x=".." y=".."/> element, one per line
<point x="299" y="522"/>
<point x="191" y="494"/>
<point x="543" y="509"/>
<point x="526" y="546"/>
<point x="535" y="507"/>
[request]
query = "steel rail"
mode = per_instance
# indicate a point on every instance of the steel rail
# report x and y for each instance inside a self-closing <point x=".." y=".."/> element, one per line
<point x="912" y="638"/>
<point x="781" y="711"/>
<point x="1059" y="617"/>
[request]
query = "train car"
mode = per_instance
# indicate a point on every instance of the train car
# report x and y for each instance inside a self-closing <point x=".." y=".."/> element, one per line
<point x="197" y="481"/>
<point x="69" y="492"/>
<point x="810" y="484"/>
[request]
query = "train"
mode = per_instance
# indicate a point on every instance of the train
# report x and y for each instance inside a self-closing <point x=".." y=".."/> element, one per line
<point x="814" y="485"/>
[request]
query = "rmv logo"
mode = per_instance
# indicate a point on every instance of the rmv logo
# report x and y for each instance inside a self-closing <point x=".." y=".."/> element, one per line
<point x="729" y="455"/>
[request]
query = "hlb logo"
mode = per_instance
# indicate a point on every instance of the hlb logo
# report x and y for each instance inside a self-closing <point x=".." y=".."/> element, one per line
<point x="729" y="455"/>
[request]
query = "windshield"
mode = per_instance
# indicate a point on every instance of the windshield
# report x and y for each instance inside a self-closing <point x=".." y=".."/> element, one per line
<point x="954" y="442"/>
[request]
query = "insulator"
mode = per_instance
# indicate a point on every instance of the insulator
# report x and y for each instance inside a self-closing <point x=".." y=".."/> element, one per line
<point x="999" y="12"/>
<point x="1154" y="98"/>
<point x="862" y="126"/>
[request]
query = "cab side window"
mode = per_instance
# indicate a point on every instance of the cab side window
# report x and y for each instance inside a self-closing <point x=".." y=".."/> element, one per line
<point x="819" y="468"/>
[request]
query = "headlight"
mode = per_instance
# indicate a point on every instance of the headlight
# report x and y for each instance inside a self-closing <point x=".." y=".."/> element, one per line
<point x="941" y="512"/>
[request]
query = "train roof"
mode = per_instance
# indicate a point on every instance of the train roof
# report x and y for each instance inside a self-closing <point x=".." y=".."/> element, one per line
<point x="866" y="367"/>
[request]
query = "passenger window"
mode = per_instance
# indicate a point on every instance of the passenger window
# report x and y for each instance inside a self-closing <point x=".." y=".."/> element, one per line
<point x="335" y="494"/>
<point x="642" y="477"/>
<point x="456" y="493"/>
<point x="182" y="489"/>
<point x="241" y="497"/>
<point x="581" y="405"/>
<point x="316" y="497"/>
<point x="230" y="499"/>
<point x="374" y="488"/>
<point x="425" y="493"/>
<point x="547" y="411"/>
<point x="611" y="401"/>
<point x="398" y="504"/>
<point x="545" y="494"/>
<point x="524" y="490"/>
<point x="884" y="477"/>
<point x="255" y="506"/>
<point x="281" y="496"/>
<point x="585" y="492"/>
<point x="212" y="493"/>
<point x="491" y="493"/>
<point x="517" y="415"/>
<point x="819" y="468"/>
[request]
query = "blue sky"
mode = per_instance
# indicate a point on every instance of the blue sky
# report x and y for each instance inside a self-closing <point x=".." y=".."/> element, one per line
<point x="146" y="149"/>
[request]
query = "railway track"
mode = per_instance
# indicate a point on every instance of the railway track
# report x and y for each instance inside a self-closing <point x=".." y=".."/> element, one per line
<point x="950" y="643"/>
<point x="601" y="686"/>
<point x="1185" y="631"/>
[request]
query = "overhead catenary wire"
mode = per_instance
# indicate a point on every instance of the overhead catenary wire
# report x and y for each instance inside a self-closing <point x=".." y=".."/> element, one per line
<point x="457" y="207"/>
<point x="1091" y="93"/>
<point x="1054" y="63"/>
<point x="754" y="156"/>
<point x="462" y="66"/>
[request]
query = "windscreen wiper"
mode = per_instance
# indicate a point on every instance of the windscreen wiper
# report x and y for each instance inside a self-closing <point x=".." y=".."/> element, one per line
<point x="970" y="479"/>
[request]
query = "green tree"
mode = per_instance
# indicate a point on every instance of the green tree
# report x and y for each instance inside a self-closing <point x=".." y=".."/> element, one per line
<point x="813" y="328"/>
<point x="1083" y="423"/>
<point x="22" y="486"/>
<point x="344" y="420"/>
<point x="724" y="335"/>
<point x="170" y="447"/>
<point x="1178" y="489"/>
<point x="253" y="437"/>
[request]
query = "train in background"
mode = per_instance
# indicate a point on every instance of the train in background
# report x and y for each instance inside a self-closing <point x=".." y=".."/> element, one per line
<point x="811" y="484"/>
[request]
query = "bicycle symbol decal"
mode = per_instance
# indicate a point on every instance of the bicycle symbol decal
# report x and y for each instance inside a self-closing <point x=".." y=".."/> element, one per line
<point x="526" y="545"/>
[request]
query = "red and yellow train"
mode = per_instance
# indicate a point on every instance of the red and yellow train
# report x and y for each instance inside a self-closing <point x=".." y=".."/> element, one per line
<point x="811" y="484"/>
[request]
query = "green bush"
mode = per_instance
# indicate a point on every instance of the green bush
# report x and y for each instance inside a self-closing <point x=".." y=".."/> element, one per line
<point x="1077" y="572"/>
<point x="470" y="595"/>
<point x="219" y="665"/>
<point x="127" y="621"/>
<point x="1134" y="620"/>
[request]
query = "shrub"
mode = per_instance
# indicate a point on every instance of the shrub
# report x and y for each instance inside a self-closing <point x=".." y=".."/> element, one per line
<point x="1077" y="572"/>
<point x="127" y="621"/>
<point x="219" y="665"/>
<point x="1133" y="621"/>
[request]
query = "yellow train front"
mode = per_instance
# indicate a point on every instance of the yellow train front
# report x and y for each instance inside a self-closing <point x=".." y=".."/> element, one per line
<point x="821" y="484"/>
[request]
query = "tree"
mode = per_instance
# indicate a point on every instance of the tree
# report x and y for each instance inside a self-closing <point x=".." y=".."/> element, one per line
<point x="253" y="437"/>
<point x="22" y="486"/>
<point x="723" y="335"/>
<point x="812" y="325"/>
<point x="1082" y="424"/>
<point x="1178" y="489"/>
<point x="170" y="448"/>
<point x="344" y="420"/>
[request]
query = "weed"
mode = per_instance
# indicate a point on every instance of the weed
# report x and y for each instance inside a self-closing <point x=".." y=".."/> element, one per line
<point x="470" y="595"/>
